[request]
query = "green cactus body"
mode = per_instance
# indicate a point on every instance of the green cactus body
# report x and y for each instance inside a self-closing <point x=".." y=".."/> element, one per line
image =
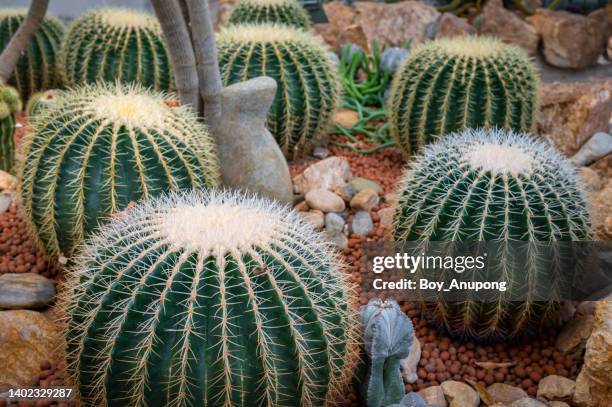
<point x="455" y="83"/>
<point x="41" y="100"/>
<point x="100" y="147"/>
<point x="116" y="44"/>
<point x="492" y="185"/>
<point x="308" y="89"/>
<point x="10" y="103"/>
<point x="36" y="70"/>
<point x="287" y="12"/>
<point x="209" y="298"/>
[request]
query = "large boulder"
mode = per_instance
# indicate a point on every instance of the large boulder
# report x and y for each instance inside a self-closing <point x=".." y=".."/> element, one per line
<point x="570" y="113"/>
<point x="453" y="26"/>
<point x="388" y="24"/>
<point x="571" y="40"/>
<point x="502" y="23"/>
<point x="27" y="338"/>
<point x="593" y="385"/>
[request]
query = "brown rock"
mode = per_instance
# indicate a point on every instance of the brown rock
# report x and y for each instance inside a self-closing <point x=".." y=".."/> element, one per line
<point x="27" y="338"/>
<point x="386" y="216"/>
<point x="365" y="200"/>
<point x="314" y="218"/>
<point x="526" y="402"/>
<point x="328" y="174"/>
<point x="601" y="208"/>
<point x="433" y="396"/>
<point x="571" y="40"/>
<point x="592" y="180"/>
<point x="572" y="339"/>
<point x="324" y="200"/>
<point x="388" y="24"/>
<point x="502" y="23"/>
<point x="8" y="182"/>
<point x="555" y="387"/>
<point x="453" y="26"/>
<point x="460" y="394"/>
<point x="570" y="113"/>
<point x="593" y="385"/>
<point x="504" y="393"/>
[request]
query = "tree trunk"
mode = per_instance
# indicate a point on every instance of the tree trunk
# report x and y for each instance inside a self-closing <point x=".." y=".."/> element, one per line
<point x="178" y="41"/>
<point x="206" y="60"/>
<point x="21" y="39"/>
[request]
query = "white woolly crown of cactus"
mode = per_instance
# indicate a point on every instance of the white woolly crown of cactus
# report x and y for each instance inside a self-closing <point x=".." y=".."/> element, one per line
<point x="209" y="298"/>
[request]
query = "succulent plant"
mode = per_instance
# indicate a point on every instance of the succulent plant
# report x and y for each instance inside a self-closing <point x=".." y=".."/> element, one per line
<point x="492" y="185"/>
<point x="411" y="399"/>
<point x="286" y="12"/>
<point x="454" y="83"/>
<point x="112" y="44"/>
<point x="41" y="100"/>
<point x="100" y="147"/>
<point x="387" y="337"/>
<point x="308" y="89"/>
<point x="209" y="298"/>
<point x="36" y="69"/>
<point x="10" y="103"/>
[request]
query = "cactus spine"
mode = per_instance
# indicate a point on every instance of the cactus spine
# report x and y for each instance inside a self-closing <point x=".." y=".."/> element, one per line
<point x="41" y="100"/>
<point x="100" y="147"/>
<point x="116" y="44"/>
<point x="287" y="12"/>
<point x="455" y="83"/>
<point x="491" y="185"/>
<point x="209" y="298"/>
<point x="9" y="105"/>
<point x="308" y="89"/>
<point x="387" y="336"/>
<point x="36" y="70"/>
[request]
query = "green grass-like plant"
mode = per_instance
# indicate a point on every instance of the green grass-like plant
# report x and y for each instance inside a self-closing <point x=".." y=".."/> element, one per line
<point x="36" y="69"/>
<point x="209" y="298"/>
<point x="450" y="84"/>
<point x="100" y="147"/>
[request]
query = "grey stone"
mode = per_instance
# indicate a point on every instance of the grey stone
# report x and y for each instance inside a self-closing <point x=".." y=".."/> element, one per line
<point x="572" y="338"/>
<point x="324" y="200"/>
<point x="339" y="240"/>
<point x="334" y="223"/>
<point x="346" y="192"/>
<point x="249" y="156"/>
<point x="321" y="152"/>
<point x="598" y="146"/>
<point x="362" y="223"/>
<point x="25" y="291"/>
<point x="555" y="387"/>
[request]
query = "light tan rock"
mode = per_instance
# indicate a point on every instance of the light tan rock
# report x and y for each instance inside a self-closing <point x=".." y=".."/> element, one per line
<point x="360" y="183"/>
<point x="27" y="338"/>
<point x="572" y="338"/>
<point x="346" y="118"/>
<point x="314" y="218"/>
<point x="459" y="394"/>
<point x="571" y="40"/>
<point x="328" y="174"/>
<point x="593" y="384"/>
<point x="504" y="393"/>
<point x="570" y="113"/>
<point x="387" y="24"/>
<point x="591" y="179"/>
<point x="601" y="211"/>
<point x="555" y="387"/>
<point x="502" y="23"/>
<point x="557" y="403"/>
<point x="433" y="396"/>
<point x="325" y="201"/>
<point x="8" y="182"/>
<point x="453" y="26"/>
<point x="386" y="216"/>
<point x="364" y="200"/>
<point x="526" y="402"/>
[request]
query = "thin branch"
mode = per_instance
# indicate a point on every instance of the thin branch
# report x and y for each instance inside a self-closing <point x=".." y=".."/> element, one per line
<point x="180" y="49"/>
<point x="21" y="39"/>
<point x="206" y="59"/>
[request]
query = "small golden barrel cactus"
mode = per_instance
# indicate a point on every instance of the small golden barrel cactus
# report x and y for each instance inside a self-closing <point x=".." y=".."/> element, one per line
<point x="308" y="88"/>
<point x="99" y="148"/>
<point x="116" y="44"/>
<point x="287" y="12"/>
<point x="450" y="84"/>
<point x="10" y="103"/>
<point x="209" y="299"/>
<point x="36" y="69"/>
<point x="41" y="100"/>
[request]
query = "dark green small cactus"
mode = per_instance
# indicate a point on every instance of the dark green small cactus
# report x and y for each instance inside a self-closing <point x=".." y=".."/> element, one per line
<point x="10" y="103"/>
<point x="36" y="69"/>
<point x="286" y="12"/>
<point x="450" y="84"/>
<point x="115" y="44"/>
<point x="387" y="337"/>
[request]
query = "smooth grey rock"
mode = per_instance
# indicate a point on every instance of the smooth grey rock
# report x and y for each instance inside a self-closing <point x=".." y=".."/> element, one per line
<point x="334" y="223"/>
<point x="362" y="223"/>
<point x="346" y="192"/>
<point x="321" y="152"/>
<point x="598" y="146"/>
<point x="339" y="240"/>
<point x="25" y="291"/>
<point x="249" y="156"/>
